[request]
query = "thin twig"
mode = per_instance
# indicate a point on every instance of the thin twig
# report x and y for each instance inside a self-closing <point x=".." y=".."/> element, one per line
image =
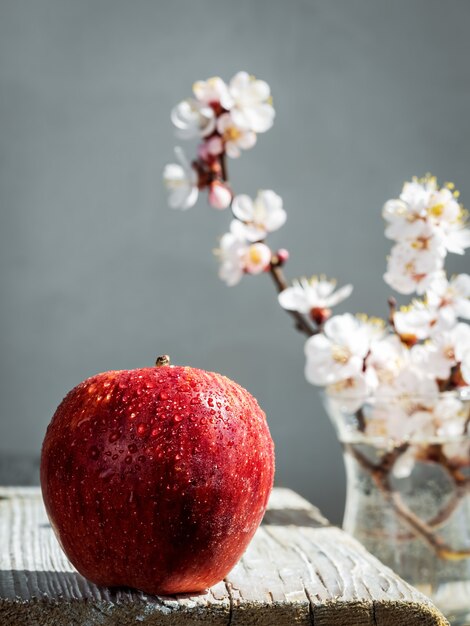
<point x="223" y="167"/>
<point x="280" y="282"/>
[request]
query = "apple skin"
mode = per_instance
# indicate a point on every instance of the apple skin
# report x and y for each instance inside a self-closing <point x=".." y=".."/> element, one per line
<point x="157" y="478"/>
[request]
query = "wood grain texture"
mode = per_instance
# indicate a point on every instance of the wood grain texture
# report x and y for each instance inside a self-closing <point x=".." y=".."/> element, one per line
<point x="297" y="570"/>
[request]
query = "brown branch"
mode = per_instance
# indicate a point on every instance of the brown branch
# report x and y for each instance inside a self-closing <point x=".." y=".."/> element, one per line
<point x="361" y="420"/>
<point x="392" y="304"/>
<point x="301" y="323"/>
<point x="223" y="167"/>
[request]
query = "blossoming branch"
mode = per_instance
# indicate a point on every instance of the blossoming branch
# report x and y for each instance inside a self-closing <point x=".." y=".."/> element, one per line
<point x="226" y="119"/>
<point x="402" y="381"/>
<point x="424" y="349"/>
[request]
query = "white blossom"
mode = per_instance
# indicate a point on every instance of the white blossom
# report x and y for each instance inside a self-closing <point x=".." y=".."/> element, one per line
<point x="386" y="359"/>
<point x="450" y="415"/>
<point x="212" y="91"/>
<point x="193" y="119"/>
<point x="427" y="223"/>
<point x="458" y="452"/>
<point x="416" y="427"/>
<point x="453" y="415"/>
<point x="442" y="207"/>
<point x="234" y="138"/>
<point x="457" y="239"/>
<point x="446" y="216"/>
<point x="181" y="182"/>
<point x="461" y="339"/>
<point x="257" y="258"/>
<point x="338" y="352"/>
<point x="415" y="321"/>
<point x="349" y="393"/>
<point x="313" y="293"/>
<point x="445" y="418"/>
<point x="249" y="103"/>
<point x="444" y="351"/>
<point x="237" y="256"/>
<point x="451" y="299"/>
<point x="231" y="253"/>
<point x="411" y="387"/>
<point x="406" y="214"/>
<point x="411" y="270"/>
<point x="422" y="202"/>
<point x="465" y="366"/>
<point x="256" y="218"/>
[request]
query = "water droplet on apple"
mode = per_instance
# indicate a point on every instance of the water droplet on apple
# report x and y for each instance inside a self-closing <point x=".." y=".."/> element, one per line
<point x="128" y="459"/>
<point x="114" y="457"/>
<point x="114" y="436"/>
<point x="210" y="401"/>
<point x="163" y="395"/>
<point x="106" y="473"/>
<point x="178" y="417"/>
<point x="141" y="429"/>
<point x="94" y="452"/>
<point x="132" y="449"/>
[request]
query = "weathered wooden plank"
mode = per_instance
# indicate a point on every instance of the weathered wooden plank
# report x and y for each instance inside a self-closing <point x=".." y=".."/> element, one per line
<point x="297" y="570"/>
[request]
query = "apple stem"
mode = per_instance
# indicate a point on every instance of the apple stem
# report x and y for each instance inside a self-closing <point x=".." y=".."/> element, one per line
<point x="162" y="360"/>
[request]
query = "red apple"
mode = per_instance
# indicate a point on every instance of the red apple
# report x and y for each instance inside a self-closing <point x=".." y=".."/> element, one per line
<point x="157" y="478"/>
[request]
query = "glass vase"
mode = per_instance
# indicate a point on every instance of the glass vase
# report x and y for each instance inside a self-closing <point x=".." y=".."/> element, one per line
<point x="408" y="489"/>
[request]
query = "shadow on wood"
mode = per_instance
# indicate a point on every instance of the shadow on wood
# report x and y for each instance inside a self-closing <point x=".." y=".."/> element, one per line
<point x="294" y="517"/>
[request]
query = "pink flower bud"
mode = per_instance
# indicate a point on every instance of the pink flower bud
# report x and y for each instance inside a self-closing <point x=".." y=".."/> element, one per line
<point x="280" y="257"/>
<point x="220" y="195"/>
<point x="202" y="151"/>
<point x="215" y="145"/>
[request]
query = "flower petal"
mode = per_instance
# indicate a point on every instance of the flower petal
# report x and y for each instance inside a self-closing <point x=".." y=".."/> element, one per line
<point x="242" y="207"/>
<point x="339" y="295"/>
<point x="293" y="299"/>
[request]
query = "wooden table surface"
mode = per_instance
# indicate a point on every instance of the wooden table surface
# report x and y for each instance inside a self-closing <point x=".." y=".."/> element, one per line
<point x="297" y="570"/>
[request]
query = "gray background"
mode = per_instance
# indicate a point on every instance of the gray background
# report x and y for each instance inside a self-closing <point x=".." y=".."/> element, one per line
<point x="97" y="273"/>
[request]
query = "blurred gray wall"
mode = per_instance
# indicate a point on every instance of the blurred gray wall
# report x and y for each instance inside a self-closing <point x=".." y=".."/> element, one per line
<point x="97" y="273"/>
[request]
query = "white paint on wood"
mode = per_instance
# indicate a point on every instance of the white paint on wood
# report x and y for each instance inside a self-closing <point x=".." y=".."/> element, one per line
<point x="297" y="570"/>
